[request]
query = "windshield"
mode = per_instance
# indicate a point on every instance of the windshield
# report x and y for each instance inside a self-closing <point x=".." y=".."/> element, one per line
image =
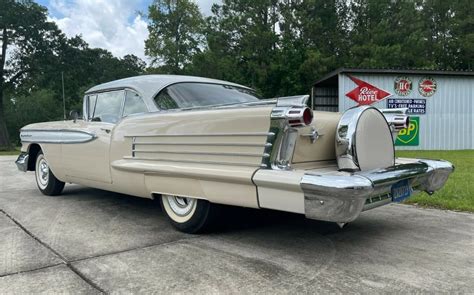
<point x="192" y="95"/>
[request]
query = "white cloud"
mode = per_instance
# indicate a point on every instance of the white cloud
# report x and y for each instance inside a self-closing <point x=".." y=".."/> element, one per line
<point x="113" y="25"/>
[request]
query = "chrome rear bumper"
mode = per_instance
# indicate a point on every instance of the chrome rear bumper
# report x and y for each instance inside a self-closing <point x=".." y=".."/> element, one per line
<point x="341" y="196"/>
<point x="22" y="162"/>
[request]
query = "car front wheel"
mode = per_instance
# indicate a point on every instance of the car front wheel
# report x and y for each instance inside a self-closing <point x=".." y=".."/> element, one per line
<point x="47" y="183"/>
<point x="188" y="214"/>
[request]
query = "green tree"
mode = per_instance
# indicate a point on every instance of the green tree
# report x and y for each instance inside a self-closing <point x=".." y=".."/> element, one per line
<point x="26" y="37"/>
<point x="462" y="29"/>
<point x="313" y="40"/>
<point x="387" y="33"/>
<point x="33" y="107"/>
<point x="82" y="66"/>
<point x="175" y="29"/>
<point x="241" y="44"/>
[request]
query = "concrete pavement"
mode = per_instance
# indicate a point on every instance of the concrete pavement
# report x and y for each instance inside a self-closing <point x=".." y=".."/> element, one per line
<point x="91" y="241"/>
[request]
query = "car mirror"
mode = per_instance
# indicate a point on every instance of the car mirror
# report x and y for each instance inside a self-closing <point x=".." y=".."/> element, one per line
<point x="73" y="115"/>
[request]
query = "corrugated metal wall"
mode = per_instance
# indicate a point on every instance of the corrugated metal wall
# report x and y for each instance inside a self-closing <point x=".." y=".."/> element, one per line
<point x="449" y="120"/>
<point x="326" y="99"/>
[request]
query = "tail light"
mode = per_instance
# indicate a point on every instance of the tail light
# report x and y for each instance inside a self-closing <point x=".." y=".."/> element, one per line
<point x="299" y="116"/>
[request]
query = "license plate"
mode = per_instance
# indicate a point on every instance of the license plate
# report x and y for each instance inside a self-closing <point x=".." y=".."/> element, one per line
<point x="400" y="191"/>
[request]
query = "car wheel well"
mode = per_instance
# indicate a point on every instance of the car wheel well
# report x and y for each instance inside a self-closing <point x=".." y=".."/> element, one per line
<point x="33" y="151"/>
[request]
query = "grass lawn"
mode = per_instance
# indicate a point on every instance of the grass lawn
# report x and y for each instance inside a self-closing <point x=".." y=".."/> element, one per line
<point x="458" y="192"/>
<point x="10" y="152"/>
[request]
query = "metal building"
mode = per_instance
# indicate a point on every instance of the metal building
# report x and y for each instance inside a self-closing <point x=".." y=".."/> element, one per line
<point x="440" y="103"/>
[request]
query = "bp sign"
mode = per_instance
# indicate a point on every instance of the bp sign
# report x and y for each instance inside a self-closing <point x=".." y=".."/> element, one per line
<point x="410" y="136"/>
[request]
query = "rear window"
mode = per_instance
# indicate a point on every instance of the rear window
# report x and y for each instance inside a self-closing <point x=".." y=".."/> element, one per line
<point x="191" y="95"/>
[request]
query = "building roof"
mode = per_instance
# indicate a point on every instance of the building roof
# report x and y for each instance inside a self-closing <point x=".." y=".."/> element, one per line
<point x="149" y="85"/>
<point x="331" y="78"/>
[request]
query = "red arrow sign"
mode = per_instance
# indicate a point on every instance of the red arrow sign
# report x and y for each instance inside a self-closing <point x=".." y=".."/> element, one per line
<point x="366" y="93"/>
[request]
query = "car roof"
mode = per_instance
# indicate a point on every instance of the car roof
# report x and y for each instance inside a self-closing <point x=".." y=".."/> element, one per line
<point x="149" y="85"/>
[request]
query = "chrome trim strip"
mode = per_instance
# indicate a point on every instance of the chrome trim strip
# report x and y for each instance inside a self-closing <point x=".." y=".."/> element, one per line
<point x="206" y="144"/>
<point x="203" y="153"/>
<point x="60" y="136"/>
<point x="190" y="161"/>
<point x="203" y="134"/>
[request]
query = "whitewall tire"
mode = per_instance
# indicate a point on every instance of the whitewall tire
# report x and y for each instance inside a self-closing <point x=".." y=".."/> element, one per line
<point x="47" y="183"/>
<point x="188" y="215"/>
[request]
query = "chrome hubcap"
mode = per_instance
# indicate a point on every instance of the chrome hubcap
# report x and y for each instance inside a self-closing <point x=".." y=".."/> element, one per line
<point x="42" y="172"/>
<point x="180" y="205"/>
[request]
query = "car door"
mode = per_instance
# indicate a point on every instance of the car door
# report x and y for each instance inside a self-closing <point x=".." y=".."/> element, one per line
<point x="90" y="160"/>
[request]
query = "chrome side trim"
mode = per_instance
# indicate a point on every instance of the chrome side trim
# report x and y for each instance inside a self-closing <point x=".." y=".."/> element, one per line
<point x="22" y="162"/>
<point x="203" y="134"/>
<point x="60" y="136"/>
<point x="202" y="153"/>
<point x="205" y="144"/>
<point x="190" y="161"/>
<point x="341" y="196"/>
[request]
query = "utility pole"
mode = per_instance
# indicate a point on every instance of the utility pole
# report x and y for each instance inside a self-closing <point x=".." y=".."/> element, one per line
<point x="64" y="97"/>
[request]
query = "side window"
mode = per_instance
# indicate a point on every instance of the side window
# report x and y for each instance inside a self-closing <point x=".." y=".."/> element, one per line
<point x="133" y="104"/>
<point x="164" y="101"/>
<point x="108" y="107"/>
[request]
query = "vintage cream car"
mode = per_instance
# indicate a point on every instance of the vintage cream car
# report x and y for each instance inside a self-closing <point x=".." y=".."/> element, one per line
<point x="195" y="142"/>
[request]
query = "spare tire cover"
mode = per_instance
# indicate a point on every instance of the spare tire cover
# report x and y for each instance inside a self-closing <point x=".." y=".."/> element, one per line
<point x="373" y="141"/>
<point x="364" y="140"/>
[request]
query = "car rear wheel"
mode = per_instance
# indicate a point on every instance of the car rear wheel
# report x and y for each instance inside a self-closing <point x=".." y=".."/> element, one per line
<point x="47" y="183"/>
<point x="188" y="214"/>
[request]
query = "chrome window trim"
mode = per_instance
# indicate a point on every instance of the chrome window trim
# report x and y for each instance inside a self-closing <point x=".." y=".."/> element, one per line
<point x="123" y="89"/>
<point x="89" y="119"/>
<point x="153" y="98"/>
<point x="124" y="100"/>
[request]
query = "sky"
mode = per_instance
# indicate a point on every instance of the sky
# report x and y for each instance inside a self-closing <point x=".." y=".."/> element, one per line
<point x="111" y="24"/>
